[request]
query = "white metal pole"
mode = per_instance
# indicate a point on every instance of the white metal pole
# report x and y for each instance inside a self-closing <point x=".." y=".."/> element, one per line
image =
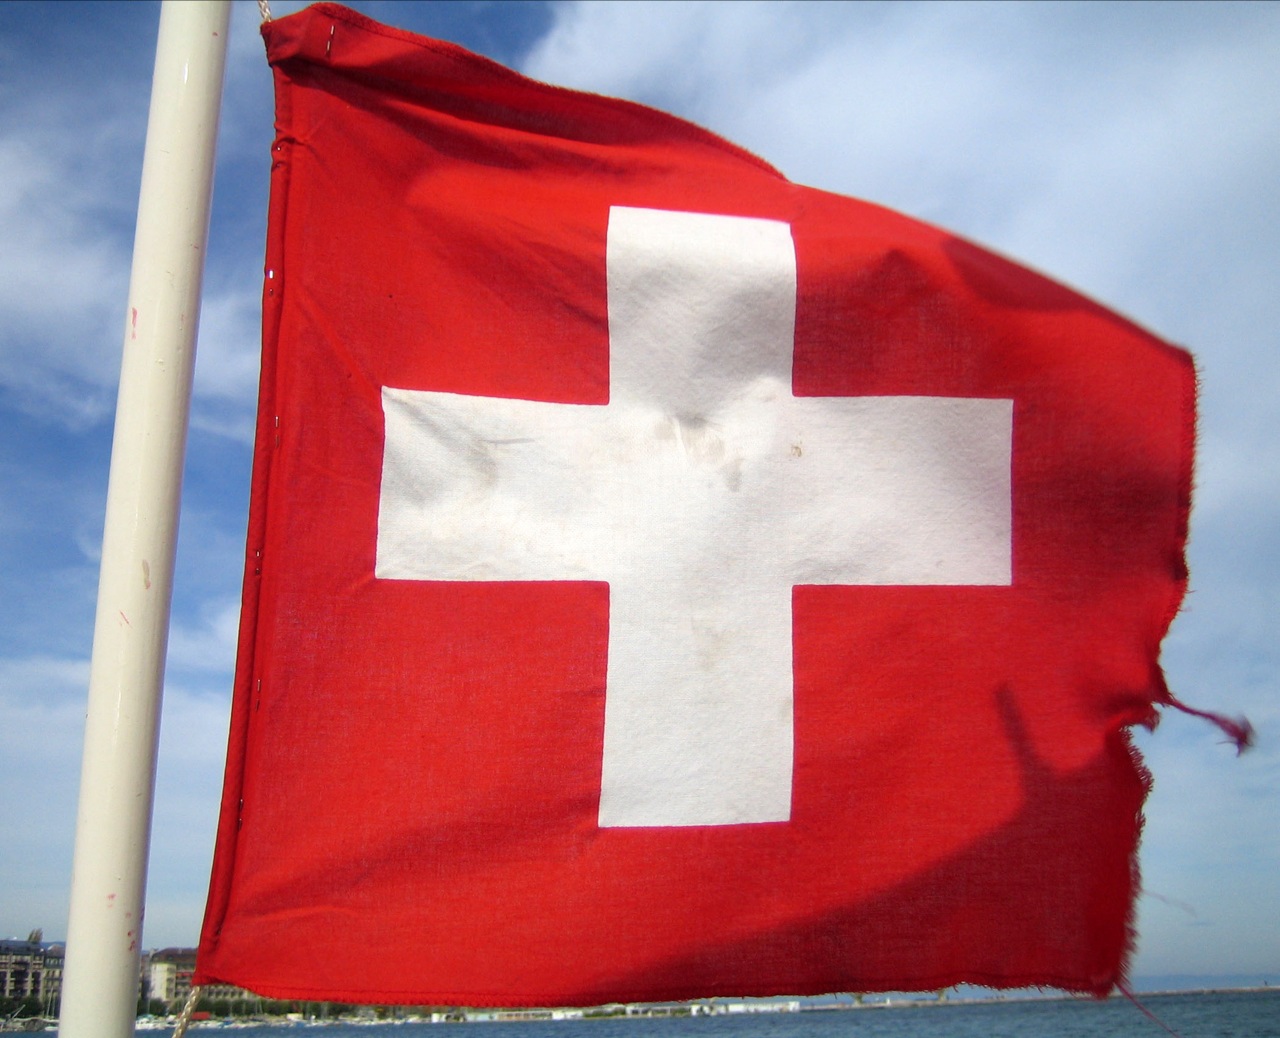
<point x="131" y="630"/>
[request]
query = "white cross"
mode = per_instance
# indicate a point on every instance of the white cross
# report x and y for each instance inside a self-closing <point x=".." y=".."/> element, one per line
<point x="703" y="492"/>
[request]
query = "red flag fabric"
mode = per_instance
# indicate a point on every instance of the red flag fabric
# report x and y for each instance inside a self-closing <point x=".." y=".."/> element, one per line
<point x="668" y="581"/>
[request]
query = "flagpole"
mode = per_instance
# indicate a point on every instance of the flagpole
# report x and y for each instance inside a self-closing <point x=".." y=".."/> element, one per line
<point x="131" y="629"/>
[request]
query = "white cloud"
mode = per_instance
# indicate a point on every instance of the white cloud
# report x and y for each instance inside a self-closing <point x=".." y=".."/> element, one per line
<point x="70" y="162"/>
<point x="686" y="57"/>
<point x="62" y="284"/>
<point x="209" y="645"/>
<point x="43" y="679"/>
<point x="70" y="165"/>
<point x="225" y="390"/>
<point x="42" y="709"/>
<point x="193" y="747"/>
<point x="41" y="736"/>
<point x="1034" y="131"/>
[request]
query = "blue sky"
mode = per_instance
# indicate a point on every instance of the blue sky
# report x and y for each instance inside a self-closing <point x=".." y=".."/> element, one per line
<point x="1132" y="151"/>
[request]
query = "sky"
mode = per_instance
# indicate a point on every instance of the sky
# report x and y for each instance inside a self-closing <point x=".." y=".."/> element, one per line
<point x="1129" y="150"/>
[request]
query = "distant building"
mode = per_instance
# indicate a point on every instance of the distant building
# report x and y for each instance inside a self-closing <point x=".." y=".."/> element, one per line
<point x="31" y="969"/>
<point x="166" y="975"/>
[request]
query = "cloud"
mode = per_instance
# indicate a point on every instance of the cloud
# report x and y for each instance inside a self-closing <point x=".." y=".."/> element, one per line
<point x="41" y="735"/>
<point x="1038" y="130"/>
<point x="227" y="359"/>
<point x="71" y="165"/>
<point x="43" y="679"/>
<point x="46" y="695"/>
<point x="193" y="746"/>
<point x="684" y="57"/>
<point x="62" y="283"/>
<point x="209" y="644"/>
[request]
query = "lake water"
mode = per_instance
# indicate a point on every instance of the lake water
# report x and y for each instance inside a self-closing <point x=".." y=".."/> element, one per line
<point x="1254" y="1014"/>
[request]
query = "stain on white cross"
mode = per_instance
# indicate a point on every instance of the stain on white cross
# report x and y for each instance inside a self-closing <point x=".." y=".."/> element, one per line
<point x="703" y="492"/>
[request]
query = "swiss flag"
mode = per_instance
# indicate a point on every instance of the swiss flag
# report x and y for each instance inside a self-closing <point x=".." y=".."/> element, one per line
<point x="668" y="581"/>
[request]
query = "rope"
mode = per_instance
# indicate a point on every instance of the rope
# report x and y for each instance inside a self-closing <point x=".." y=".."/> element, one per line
<point x="184" y="1018"/>
<point x="264" y="9"/>
<point x="1124" y="990"/>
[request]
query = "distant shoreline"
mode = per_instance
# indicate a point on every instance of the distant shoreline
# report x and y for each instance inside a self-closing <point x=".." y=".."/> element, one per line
<point x="698" y="1008"/>
<point x="726" y="1008"/>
